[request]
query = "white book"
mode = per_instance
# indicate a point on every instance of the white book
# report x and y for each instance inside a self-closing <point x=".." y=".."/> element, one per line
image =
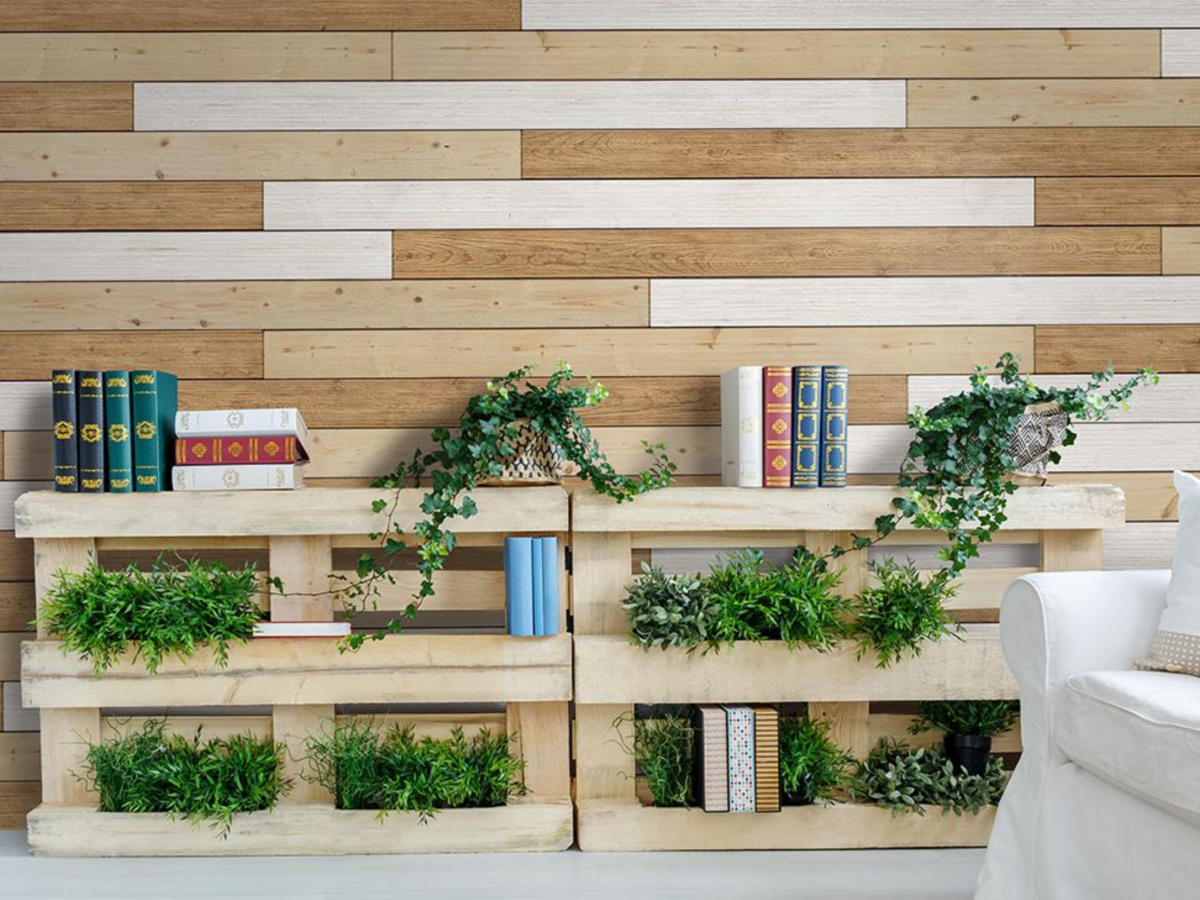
<point x="237" y="478"/>
<point x="301" y="629"/>
<point x="742" y="427"/>
<point x="278" y="422"/>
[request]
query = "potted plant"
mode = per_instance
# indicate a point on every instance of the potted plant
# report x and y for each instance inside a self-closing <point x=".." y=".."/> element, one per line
<point x="969" y="725"/>
<point x="902" y="610"/>
<point x="663" y="748"/>
<point x="903" y="780"/>
<point x="668" y="610"/>
<point x="811" y="765"/>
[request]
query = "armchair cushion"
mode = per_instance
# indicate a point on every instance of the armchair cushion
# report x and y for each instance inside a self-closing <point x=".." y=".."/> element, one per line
<point x="1176" y="646"/>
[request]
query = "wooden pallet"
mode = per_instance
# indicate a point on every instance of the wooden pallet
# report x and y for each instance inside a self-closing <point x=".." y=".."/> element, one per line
<point x="611" y="675"/>
<point x="302" y="681"/>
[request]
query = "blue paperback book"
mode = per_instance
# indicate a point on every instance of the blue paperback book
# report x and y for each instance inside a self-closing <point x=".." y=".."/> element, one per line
<point x="518" y="585"/>
<point x="549" y="585"/>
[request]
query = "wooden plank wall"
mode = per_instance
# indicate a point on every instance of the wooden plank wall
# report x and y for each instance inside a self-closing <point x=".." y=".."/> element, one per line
<point x="365" y="207"/>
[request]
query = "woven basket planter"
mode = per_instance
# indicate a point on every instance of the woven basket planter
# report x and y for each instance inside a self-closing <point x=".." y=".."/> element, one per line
<point x="1040" y="430"/>
<point x="536" y="460"/>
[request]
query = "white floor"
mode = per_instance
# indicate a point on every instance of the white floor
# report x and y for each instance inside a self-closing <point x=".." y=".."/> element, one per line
<point x="845" y="875"/>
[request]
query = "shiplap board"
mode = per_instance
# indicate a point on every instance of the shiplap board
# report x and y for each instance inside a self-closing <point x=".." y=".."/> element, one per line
<point x="174" y="305"/>
<point x="228" y="56"/>
<point x="1020" y="103"/>
<point x="1181" y="251"/>
<point x="708" y="551"/>
<point x="249" y="106"/>
<point x="1180" y="53"/>
<point x="17" y="717"/>
<point x="923" y="301"/>
<point x="258" y="155"/>
<point x="635" y="14"/>
<point x="1071" y="349"/>
<point x="718" y="203"/>
<point x="536" y="55"/>
<point x="1140" y="545"/>
<point x="31" y="355"/>
<point x="1118" y="201"/>
<point x="131" y="206"/>
<point x="649" y="351"/>
<point x="66" y="106"/>
<point x="1176" y="398"/>
<point x="194" y="256"/>
<point x="24" y="405"/>
<point x="9" y="492"/>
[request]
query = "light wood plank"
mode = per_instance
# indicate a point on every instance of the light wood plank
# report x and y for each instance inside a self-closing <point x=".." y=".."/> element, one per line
<point x="602" y="571"/>
<point x="456" y="590"/>
<point x="858" y="153"/>
<point x="541" y="732"/>
<point x="129" y="206"/>
<point x="519" y="104"/>
<point x="122" y="56"/>
<point x="66" y="106"/>
<point x="1069" y="349"/>
<point x="1070" y="551"/>
<point x="194" y="256"/>
<point x="896" y="725"/>
<point x="9" y="492"/>
<point x="16" y="717"/>
<point x="1118" y="201"/>
<point x="1180" y="53"/>
<point x="24" y="405"/>
<point x="719" y="252"/>
<point x="1181" y="251"/>
<point x="436" y="725"/>
<point x="262" y="15"/>
<point x="472" y="56"/>
<point x="1149" y="496"/>
<point x="600" y="352"/>
<point x="849" y="724"/>
<point x="65" y="736"/>
<point x="292" y="726"/>
<point x="20" y="757"/>
<point x="808" y="203"/>
<point x="302" y="563"/>
<point x="220" y="354"/>
<point x="1145" y="545"/>
<point x="603" y="767"/>
<point x="1063" y="102"/>
<point x="816" y="302"/>
<point x="51" y="558"/>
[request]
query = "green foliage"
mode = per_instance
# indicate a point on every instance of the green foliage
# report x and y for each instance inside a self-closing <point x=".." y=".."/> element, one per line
<point x="904" y="780"/>
<point x="485" y="440"/>
<point x="811" y="765"/>
<point x="901" y="612"/>
<point x="668" y="610"/>
<point x="394" y="770"/>
<point x="170" y="610"/>
<point x="972" y="718"/>
<point x="663" y="748"/>
<point x="152" y="771"/>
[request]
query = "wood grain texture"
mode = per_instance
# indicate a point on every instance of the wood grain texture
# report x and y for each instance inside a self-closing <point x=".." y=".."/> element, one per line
<point x="1180" y="53"/>
<point x="602" y="352"/>
<point x="722" y="203"/>
<point x="16" y="606"/>
<point x="122" y="56"/>
<point x="1149" y="496"/>
<point x="543" y="303"/>
<point x="1062" y="102"/>
<point x="126" y="206"/>
<point x="219" y="354"/>
<point x="193" y="256"/>
<point x="519" y="104"/>
<point x="262" y="15"/>
<point x="469" y="56"/>
<point x="66" y="106"/>
<point x="16" y="558"/>
<point x="1181" y="251"/>
<point x="1147" y="545"/>
<point x="1118" y="201"/>
<point x="17" y="799"/>
<point x="1065" y="348"/>
<point x="259" y="155"/>
<point x="718" y="252"/>
<point x="859" y="152"/>
<point x="923" y="301"/>
<point x="20" y="757"/>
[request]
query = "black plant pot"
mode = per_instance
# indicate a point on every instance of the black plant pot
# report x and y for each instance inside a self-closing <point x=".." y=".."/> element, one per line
<point x="800" y="798"/>
<point x="969" y="751"/>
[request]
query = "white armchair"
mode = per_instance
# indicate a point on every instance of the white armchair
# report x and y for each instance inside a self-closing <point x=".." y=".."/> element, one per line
<point x="1105" y="802"/>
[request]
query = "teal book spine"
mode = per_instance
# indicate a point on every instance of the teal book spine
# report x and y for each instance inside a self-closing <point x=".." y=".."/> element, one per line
<point x="550" y="585"/>
<point x="806" y="429"/>
<point x="518" y="585"/>
<point x="66" y="421"/>
<point x="89" y="389"/>
<point x="834" y="425"/>
<point x="118" y="419"/>
<point x="539" y="626"/>
<point x="153" y="400"/>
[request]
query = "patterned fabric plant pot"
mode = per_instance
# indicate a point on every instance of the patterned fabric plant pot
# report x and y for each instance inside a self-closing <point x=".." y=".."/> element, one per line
<point x="1040" y="430"/>
<point x="535" y="461"/>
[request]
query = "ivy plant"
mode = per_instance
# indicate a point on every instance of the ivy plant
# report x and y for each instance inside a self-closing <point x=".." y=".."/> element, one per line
<point x="901" y="611"/>
<point x="904" y="780"/>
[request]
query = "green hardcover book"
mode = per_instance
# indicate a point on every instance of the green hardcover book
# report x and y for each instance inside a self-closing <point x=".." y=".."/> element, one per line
<point x="119" y="440"/>
<point x="89" y="387"/>
<point x="154" y="397"/>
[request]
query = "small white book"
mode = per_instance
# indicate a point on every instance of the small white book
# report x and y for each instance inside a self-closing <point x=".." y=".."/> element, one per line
<point x="277" y="422"/>
<point x="301" y="629"/>
<point x="237" y="478"/>
<point x="742" y="427"/>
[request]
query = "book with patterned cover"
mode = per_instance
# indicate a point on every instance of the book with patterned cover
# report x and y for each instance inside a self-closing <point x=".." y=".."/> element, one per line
<point x="89" y="394"/>
<point x="741" y="758"/>
<point x="777" y="426"/>
<point x="280" y="421"/>
<point x="766" y="759"/>
<point x="154" y="397"/>
<point x="66" y="419"/>
<point x="118" y="420"/>
<point x="834" y="425"/>
<point x="220" y="451"/>
<point x="711" y="759"/>
<point x="237" y="478"/>
<point x="741" y="427"/>
<point x="806" y="427"/>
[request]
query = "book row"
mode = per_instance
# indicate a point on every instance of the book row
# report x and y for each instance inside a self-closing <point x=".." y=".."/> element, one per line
<point x="737" y="759"/>
<point x="784" y="426"/>
<point x="531" y="597"/>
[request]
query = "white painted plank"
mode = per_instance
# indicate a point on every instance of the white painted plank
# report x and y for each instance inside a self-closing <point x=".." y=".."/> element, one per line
<point x="24" y="406"/>
<point x="1140" y="545"/>
<point x="815" y="302"/>
<point x="642" y="14"/>
<point x="17" y="717"/>
<point x="249" y="106"/>
<point x="700" y="203"/>
<point x="1176" y="398"/>
<point x="9" y="492"/>
<point x="1180" y="53"/>
<point x="194" y="255"/>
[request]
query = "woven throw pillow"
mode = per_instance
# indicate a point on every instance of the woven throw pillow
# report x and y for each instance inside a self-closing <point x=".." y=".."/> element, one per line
<point x="1176" y="646"/>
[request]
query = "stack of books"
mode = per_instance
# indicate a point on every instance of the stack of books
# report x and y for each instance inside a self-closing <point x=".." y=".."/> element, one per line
<point x="737" y="758"/>
<point x="239" y="449"/>
<point x="531" y="585"/>
<point x="784" y="426"/>
<point x="112" y="430"/>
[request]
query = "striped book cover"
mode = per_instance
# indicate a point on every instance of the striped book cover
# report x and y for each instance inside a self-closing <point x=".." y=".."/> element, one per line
<point x="741" y="758"/>
<point x="766" y="759"/>
<point x="711" y="778"/>
<point x="806" y="428"/>
<point x="777" y="426"/>
<point x="834" y="431"/>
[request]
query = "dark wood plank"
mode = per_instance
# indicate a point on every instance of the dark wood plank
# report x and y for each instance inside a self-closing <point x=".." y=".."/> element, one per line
<point x="1118" y="201"/>
<point x="31" y="355"/>
<point x="131" y="206"/>
<point x="17" y="798"/>
<point x="724" y="252"/>
<point x="66" y="106"/>
<point x="16" y="605"/>
<point x="860" y="152"/>
<point x="16" y="558"/>
<point x="1089" y="348"/>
